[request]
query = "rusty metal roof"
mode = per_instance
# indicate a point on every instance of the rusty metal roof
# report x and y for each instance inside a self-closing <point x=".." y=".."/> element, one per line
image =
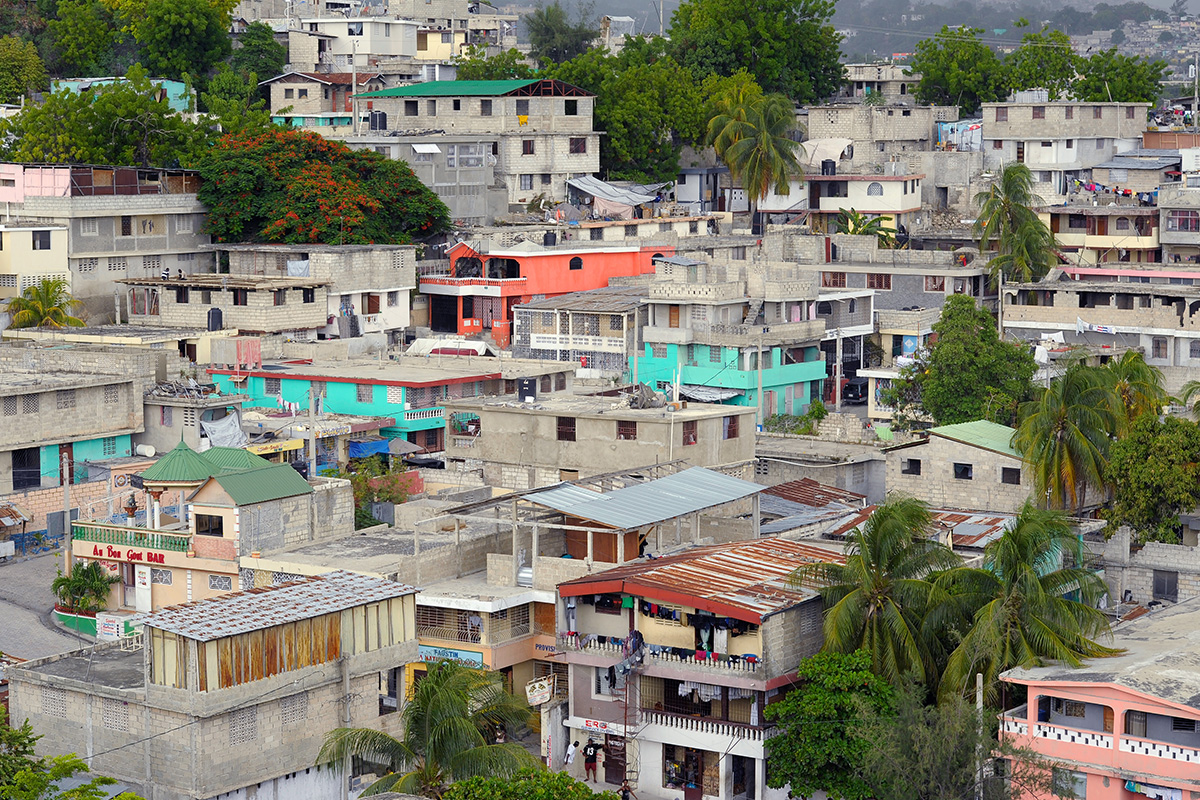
<point x="966" y="528"/>
<point x="743" y="580"/>
<point x="818" y="495"/>
<point x="11" y="514"/>
<point x="255" y="609"/>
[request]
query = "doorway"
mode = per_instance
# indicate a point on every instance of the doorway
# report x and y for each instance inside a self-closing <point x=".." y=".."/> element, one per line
<point x="743" y="777"/>
<point x="614" y="759"/>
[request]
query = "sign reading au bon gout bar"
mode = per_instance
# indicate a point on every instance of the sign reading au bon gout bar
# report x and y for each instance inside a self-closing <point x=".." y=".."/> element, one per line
<point x="129" y="554"/>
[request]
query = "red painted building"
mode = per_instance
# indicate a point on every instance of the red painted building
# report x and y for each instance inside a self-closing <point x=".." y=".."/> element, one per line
<point x="479" y="289"/>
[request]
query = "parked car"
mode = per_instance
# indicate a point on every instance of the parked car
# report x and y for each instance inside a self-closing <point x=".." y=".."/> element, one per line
<point x="854" y="391"/>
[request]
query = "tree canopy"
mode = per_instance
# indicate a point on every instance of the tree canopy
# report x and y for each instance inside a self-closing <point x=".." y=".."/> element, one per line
<point x="1045" y="60"/>
<point x="1155" y="474"/>
<point x="957" y="69"/>
<point x="288" y="186"/>
<point x="553" y="37"/>
<point x="1125" y="79"/>
<point x="45" y="304"/>
<point x="476" y="65"/>
<point x="23" y="71"/>
<point x="530" y="784"/>
<point x="258" y="53"/>
<point x="789" y="46"/>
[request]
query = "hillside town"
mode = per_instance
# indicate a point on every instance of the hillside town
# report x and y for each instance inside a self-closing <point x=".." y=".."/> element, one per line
<point x="430" y="400"/>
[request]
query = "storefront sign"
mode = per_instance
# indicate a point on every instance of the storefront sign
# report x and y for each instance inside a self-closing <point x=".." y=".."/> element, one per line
<point x="108" y="551"/>
<point x="600" y="726"/>
<point x="539" y="690"/>
<point x="276" y="447"/>
<point x="467" y="657"/>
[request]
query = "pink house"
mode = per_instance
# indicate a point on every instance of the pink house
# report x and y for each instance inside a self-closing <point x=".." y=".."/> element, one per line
<point x="1121" y="728"/>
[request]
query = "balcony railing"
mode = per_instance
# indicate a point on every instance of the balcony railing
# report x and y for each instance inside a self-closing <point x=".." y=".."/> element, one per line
<point x="733" y="663"/>
<point x="1146" y="747"/>
<point x="424" y="413"/>
<point x="717" y="727"/>
<point x="1058" y="733"/>
<point x="131" y="537"/>
<point x="464" y="441"/>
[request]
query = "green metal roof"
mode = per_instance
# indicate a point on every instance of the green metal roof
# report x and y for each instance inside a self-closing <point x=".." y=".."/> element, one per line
<point x="980" y="433"/>
<point x="451" y="89"/>
<point x="233" y="459"/>
<point x="261" y="484"/>
<point x="181" y="465"/>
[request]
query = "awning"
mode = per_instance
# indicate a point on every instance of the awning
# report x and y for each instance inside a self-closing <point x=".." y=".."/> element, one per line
<point x="426" y="148"/>
<point x="400" y="447"/>
<point x="361" y="448"/>
<point x="708" y="394"/>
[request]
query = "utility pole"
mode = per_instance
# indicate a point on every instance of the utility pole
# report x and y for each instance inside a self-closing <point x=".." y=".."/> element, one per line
<point x="979" y="735"/>
<point x="1195" y="89"/>
<point x="353" y="88"/>
<point x="312" y="433"/>
<point x="837" y="374"/>
<point x="68" y="555"/>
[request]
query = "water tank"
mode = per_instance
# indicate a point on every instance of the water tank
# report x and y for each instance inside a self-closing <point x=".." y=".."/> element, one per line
<point x="550" y="239"/>
<point x="145" y="450"/>
<point x="829" y="167"/>
<point x="215" y="319"/>
<point x="527" y="390"/>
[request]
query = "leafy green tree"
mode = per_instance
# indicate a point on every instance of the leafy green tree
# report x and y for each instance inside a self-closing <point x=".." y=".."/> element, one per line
<point x="233" y="101"/>
<point x="180" y="37"/>
<point x="1118" y="36"/>
<point x="957" y="69"/>
<point x="258" y="53"/>
<point x="119" y="123"/>
<point x="1064" y="436"/>
<point x="1110" y="77"/>
<point x="1045" y="60"/>
<point x="373" y="481"/>
<point x="969" y="373"/>
<point x="40" y="782"/>
<point x="23" y="72"/>
<point x="449" y="728"/>
<point x="882" y="599"/>
<point x="754" y="140"/>
<point x="809" y="753"/>
<point x="535" y="784"/>
<point x="16" y="749"/>
<point x="46" y="304"/>
<point x="1155" y="474"/>
<point x="554" y="38"/>
<point x="86" y="589"/>
<point x="287" y="186"/>
<point x="476" y="65"/>
<point x="83" y="34"/>
<point x="1137" y="387"/>
<point x="855" y="224"/>
<point x="789" y="46"/>
<point x="1022" y="248"/>
<point x="1031" y="601"/>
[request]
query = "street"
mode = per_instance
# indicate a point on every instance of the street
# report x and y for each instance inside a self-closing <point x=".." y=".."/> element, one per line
<point x="25" y="602"/>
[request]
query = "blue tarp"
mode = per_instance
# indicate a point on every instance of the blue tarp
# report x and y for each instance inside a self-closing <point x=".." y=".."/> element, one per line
<point x="361" y="448"/>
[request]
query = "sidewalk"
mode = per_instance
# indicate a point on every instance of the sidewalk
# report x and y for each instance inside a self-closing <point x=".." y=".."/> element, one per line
<point x="27" y="629"/>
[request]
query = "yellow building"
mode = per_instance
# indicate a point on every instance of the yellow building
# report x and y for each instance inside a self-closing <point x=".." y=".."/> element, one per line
<point x="29" y="253"/>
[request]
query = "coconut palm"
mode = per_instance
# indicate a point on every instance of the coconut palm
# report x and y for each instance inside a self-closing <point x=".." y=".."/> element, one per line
<point x="1190" y="396"/>
<point x="1030" y="602"/>
<point x="882" y="600"/>
<point x="86" y="589"/>
<point x="855" y="224"/>
<point x="751" y="135"/>
<point x="1137" y="387"/>
<point x="46" y="304"/>
<point x="1063" y="435"/>
<point x="1023" y="247"/>
<point x="450" y="725"/>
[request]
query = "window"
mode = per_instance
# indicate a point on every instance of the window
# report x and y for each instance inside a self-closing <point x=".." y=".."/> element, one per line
<point x="1039" y="112"/>
<point x="431" y="107"/>
<point x="1001" y="115"/>
<point x="241" y="297"/>
<point x="108" y="446"/>
<point x="571" y="108"/>
<point x="560" y="378"/>
<point x="833" y="280"/>
<point x="410" y="108"/>
<point x="10" y="406"/>
<point x="738" y="253"/>
<point x="910" y="466"/>
<point x="626" y="430"/>
<point x="729" y="427"/>
<point x="166" y="416"/>
<point x="111" y="395"/>
<point x="546" y="178"/>
<point x="243" y="722"/>
<point x="272" y="386"/>
<point x="88" y="264"/>
<point x="609" y="682"/>
<point x="1099" y="144"/>
<point x="1130" y="112"/>
<point x="578" y="145"/>
<point x="54" y="702"/>
<point x="181" y="295"/>
<point x="65" y="399"/>
<point x="289" y="94"/>
<point x="689" y="433"/>
<point x="163" y="577"/>
<point x="1183" y="220"/>
<point x="1166" y="585"/>
<point x="1068" y="783"/>
<point x="1070" y="144"/>
<point x="631" y="231"/>
<point x="997" y="144"/>
<point x="31" y="403"/>
<point x="354" y="28"/>
<point x="1179" y="723"/>
<point x="309" y="295"/>
<point x="485" y="108"/>
<point x="1069" y="112"/>
<point x="1158" y="347"/>
<point x="89" y="226"/>
<point x="576" y="263"/>
<point x="527" y="182"/>
<point x="566" y="429"/>
<point x="964" y="472"/>
<point x="1122" y="223"/>
<point x="935" y="283"/>
<point x="280" y="297"/>
<point x="1047" y="144"/>
<point x="448" y="37"/>
<point x="1010" y="475"/>
<point x="127" y="226"/>
<point x="1194" y="349"/>
<point x="302" y="94"/>
<point x="41" y="240"/>
<point x="523" y="107"/>
<point x="875" y="189"/>
<point x="393" y="299"/>
<point x="364" y="392"/>
<point x="544" y="384"/>
<point x="1097" y="112"/>
<point x="527" y="147"/>
<point x="209" y="525"/>
<point x="879" y="280"/>
<point x="115" y="713"/>
<point x="1135" y="723"/>
<point x="596" y="234"/>
<point x="293" y="709"/>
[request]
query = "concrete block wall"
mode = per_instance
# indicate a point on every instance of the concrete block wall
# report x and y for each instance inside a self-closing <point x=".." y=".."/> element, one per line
<point x="274" y="525"/>
<point x="259" y="314"/>
<point x="333" y="506"/>
<point x="37" y="503"/>
<point x="1135" y="571"/>
<point x="936" y="484"/>
<point x="791" y="637"/>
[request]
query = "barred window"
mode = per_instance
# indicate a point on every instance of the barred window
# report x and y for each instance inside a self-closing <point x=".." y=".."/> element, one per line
<point x="243" y="726"/>
<point x="395" y="395"/>
<point x="189" y="418"/>
<point x="220" y="583"/>
<point x="293" y="709"/>
<point x="10" y="406"/>
<point x="111" y="395"/>
<point x="116" y="264"/>
<point x="54" y="702"/>
<point x="115" y="715"/>
<point x="65" y="398"/>
<point x="616" y="322"/>
<point x="30" y="403"/>
<point x="89" y="226"/>
<point x="273" y="386"/>
<point x="163" y="577"/>
<point x="658" y="350"/>
<point x="88" y="264"/>
<point x="109" y="446"/>
<point x="365" y="392"/>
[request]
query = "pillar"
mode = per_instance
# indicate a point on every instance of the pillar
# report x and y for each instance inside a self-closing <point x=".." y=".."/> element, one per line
<point x="757" y="515"/>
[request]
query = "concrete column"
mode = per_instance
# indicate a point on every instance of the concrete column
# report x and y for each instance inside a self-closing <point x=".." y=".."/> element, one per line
<point x="457" y="548"/>
<point x="516" y="553"/>
<point x="620" y="546"/>
<point x="757" y="515"/>
<point x="696" y="528"/>
<point x="533" y="555"/>
<point x="591" y="551"/>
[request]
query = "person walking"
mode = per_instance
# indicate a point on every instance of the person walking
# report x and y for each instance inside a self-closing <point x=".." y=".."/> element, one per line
<point x="590" y="752"/>
<point x="626" y="792"/>
<point x="572" y="748"/>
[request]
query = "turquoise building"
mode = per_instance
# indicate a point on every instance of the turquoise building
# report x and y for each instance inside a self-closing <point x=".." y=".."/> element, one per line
<point x="179" y="96"/>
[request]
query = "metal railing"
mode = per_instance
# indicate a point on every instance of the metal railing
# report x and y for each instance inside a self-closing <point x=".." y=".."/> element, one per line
<point x="131" y="537"/>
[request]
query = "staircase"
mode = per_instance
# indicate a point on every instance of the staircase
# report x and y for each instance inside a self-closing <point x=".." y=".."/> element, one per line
<point x="752" y="311"/>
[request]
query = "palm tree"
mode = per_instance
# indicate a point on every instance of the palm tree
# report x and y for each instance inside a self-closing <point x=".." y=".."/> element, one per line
<point x="1137" y="387"/>
<point x="750" y="134"/>
<point x="1063" y="435"/>
<point x="882" y="600"/>
<point x="86" y="589"/>
<point x="46" y="304"/>
<point x="450" y="726"/>
<point x="1023" y="247"/>
<point x="855" y="224"/>
<point x="1031" y="601"/>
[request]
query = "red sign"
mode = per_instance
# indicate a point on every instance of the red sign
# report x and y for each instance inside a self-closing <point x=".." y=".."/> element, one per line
<point x="129" y="555"/>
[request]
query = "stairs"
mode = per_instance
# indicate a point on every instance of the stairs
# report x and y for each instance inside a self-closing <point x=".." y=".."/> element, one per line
<point x="752" y="311"/>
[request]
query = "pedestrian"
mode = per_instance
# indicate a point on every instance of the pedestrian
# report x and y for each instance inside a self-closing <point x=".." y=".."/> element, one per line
<point x="626" y="792"/>
<point x="571" y="749"/>
<point x="590" y="751"/>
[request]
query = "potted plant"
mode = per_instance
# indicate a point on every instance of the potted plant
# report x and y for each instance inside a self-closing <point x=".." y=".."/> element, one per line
<point x="85" y="591"/>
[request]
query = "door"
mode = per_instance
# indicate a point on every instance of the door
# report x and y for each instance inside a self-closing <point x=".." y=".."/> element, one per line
<point x="128" y="585"/>
<point x="68" y="451"/>
<point x="673" y="316"/>
<point x="1101" y="226"/>
<point x="27" y="468"/>
<point x="614" y="759"/>
<point x="1021" y="152"/>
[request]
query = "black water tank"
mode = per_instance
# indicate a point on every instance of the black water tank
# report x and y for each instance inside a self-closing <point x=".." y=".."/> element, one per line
<point x="215" y="319"/>
<point x="829" y="167"/>
<point x="527" y="390"/>
<point x="549" y="239"/>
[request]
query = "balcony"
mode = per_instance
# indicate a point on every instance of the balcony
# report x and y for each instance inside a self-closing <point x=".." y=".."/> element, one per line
<point x="436" y="412"/>
<point x="122" y="536"/>
<point x="738" y="335"/>
<point x="741" y="664"/>
<point x="685" y="722"/>
<point x="1061" y="733"/>
<point x="921" y="320"/>
<point x="1146" y="747"/>
<point x="464" y="442"/>
<point x="678" y="290"/>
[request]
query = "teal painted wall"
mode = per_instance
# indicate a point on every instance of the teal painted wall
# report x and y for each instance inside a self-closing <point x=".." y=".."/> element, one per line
<point x="82" y="451"/>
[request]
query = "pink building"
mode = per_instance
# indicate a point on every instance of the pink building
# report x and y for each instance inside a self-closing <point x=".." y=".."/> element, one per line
<point x="1125" y="727"/>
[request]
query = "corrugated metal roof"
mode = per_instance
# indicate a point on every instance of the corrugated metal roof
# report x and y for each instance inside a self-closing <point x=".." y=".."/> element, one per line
<point x="1140" y="163"/>
<point x="811" y="493"/>
<point x="746" y="580"/>
<point x="969" y="529"/>
<point x="980" y="433"/>
<point x="451" y="89"/>
<point x="181" y="465"/>
<point x="11" y="514"/>
<point x="234" y="459"/>
<point x="261" y="484"/>
<point x="611" y="299"/>
<point x="255" y="609"/>
<point x="685" y="492"/>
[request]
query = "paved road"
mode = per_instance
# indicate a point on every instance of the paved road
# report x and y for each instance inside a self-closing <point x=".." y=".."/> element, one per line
<point x="26" y="630"/>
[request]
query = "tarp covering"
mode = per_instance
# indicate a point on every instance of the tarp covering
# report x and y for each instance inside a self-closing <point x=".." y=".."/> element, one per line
<point x="606" y="191"/>
<point x="814" y="151"/>
<point x="298" y="268"/>
<point x="361" y="448"/>
<point x="226" y="431"/>
<point x="399" y="447"/>
<point x="708" y="394"/>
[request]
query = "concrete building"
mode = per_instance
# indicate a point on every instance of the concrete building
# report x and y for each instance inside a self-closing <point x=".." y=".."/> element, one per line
<point x="1179" y="228"/>
<point x="174" y="412"/>
<point x="258" y="304"/>
<point x="894" y="197"/>
<point x="852" y="466"/>
<point x="600" y="329"/>
<point x="1062" y="141"/>
<point x="347" y="41"/>
<point x="894" y="81"/>
<point x="1119" y="727"/>
<point x="672" y="661"/>
<point x="219" y="699"/>
<point x="971" y="465"/>
<point x="1145" y="572"/>
<point x="122" y="222"/>
<point x="879" y="133"/>
<point x="522" y="444"/>
<point x="485" y="24"/>
<point x="30" y="253"/>
<point x="320" y="101"/>
<point x="542" y="129"/>
<point x="194" y="345"/>
<point x="1112" y="234"/>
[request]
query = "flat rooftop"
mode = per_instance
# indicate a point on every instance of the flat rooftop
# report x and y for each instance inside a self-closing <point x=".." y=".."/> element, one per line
<point x="225" y="281"/>
<point x="1161" y="659"/>
<point x="113" y="334"/>
<point x="585" y="406"/>
<point x="21" y="381"/>
<point x="409" y="370"/>
<point x="106" y="665"/>
<point x="473" y="592"/>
